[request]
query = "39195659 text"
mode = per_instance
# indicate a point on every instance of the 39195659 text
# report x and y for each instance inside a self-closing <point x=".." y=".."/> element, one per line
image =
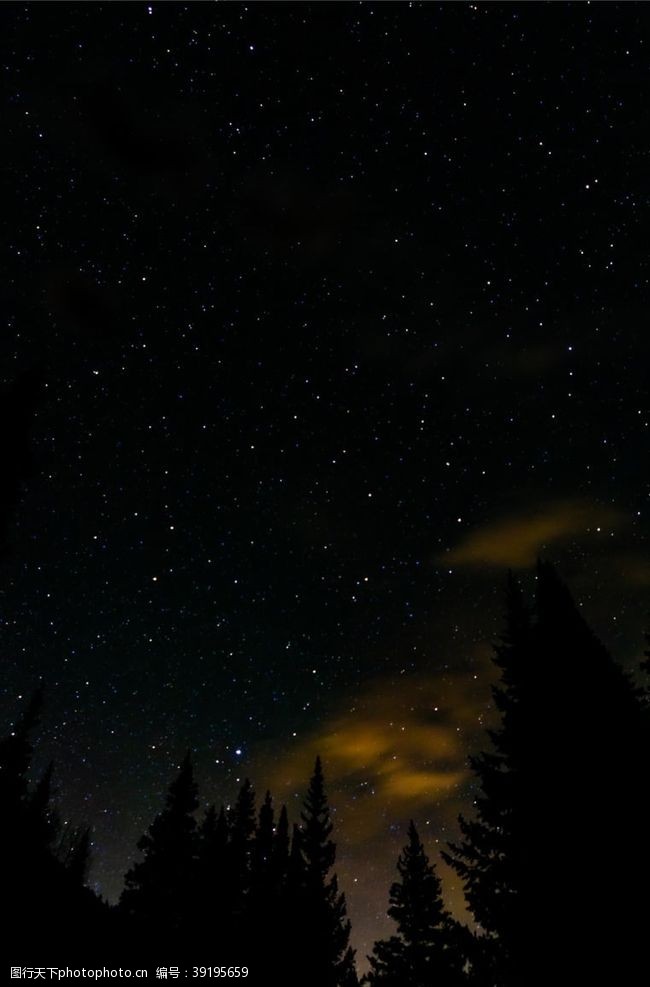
<point x="226" y="972"/>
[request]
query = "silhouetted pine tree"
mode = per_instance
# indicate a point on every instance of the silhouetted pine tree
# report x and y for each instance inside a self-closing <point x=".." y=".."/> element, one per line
<point x="213" y="844"/>
<point x="24" y="844"/>
<point x="159" y="889"/>
<point x="296" y="863"/>
<point x="211" y="904"/>
<point x="492" y="857"/>
<point x="294" y="891"/>
<point x="323" y="927"/>
<point x="28" y="821"/>
<point x="265" y="921"/>
<point x="42" y="819"/>
<point x="74" y="853"/>
<point x="425" y="951"/>
<point x="280" y="853"/>
<point x="242" y="832"/>
<point x="16" y="754"/>
<point x="531" y="860"/>
<point x="38" y="890"/>
<point x="81" y="912"/>
<point x="263" y="847"/>
<point x="272" y="896"/>
<point x="595" y="743"/>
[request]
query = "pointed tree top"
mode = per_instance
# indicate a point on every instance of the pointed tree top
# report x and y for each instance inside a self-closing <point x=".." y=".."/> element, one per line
<point x="183" y="791"/>
<point x="209" y="824"/>
<point x="266" y="813"/>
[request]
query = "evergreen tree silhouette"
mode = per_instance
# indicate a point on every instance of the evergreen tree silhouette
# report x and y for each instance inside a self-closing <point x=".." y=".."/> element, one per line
<point x="425" y="951"/>
<point x="28" y="822"/>
<point x="292" y="901"/>
<point x="213" y="843"/>
<point x="39" y="890"/>
<point x="533" y="853"/>
<point x="16" y="755"/>
<point x="597" y="743"/>
<point x="264" y="917"/>
<point x="263" y="848"/>
<point x="492" y="857"/>
<point x="242" y="827"/>
<point x="242" y="832"/>
<point x="74" y="853"/>
<point x="212" y="906"/>
<point x="24" y="843"/>
<point x="296" y="864"/>
<point x="159" y="888"/>
<point x="280" y="853"/>
<point x="42" y="819"/>
<point x="323" y="927"/>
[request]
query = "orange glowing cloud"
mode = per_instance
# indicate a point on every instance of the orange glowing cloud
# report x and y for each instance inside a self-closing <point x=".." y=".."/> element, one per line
<point x="422" y="784"/>
<point x="515" y="542"/>
<point x="401" y="746"/>
<point x="395" y="751"/>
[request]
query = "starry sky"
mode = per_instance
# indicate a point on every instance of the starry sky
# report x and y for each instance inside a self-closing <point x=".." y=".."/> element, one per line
<point x="320" y="317"/>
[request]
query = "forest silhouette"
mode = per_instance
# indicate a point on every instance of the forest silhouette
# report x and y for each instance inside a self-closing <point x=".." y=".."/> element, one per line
<point x="553" y="859"/>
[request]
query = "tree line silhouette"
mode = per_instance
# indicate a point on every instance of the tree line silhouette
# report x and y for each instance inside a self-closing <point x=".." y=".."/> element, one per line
<point x="237" y="887"/>
<point x="554" y="859"/>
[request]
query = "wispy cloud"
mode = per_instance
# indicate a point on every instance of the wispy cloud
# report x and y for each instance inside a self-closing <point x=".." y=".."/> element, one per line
<point x="396" y="751"/>
<point x="516" y="541"/>
<point x="399" y="747"/>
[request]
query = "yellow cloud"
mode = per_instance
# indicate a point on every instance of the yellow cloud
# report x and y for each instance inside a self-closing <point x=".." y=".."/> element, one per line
<point x="422" y="784"/>
<point x="515" y="542"/>
<point x="399" y="746"/>
<point x="395" y="751"/>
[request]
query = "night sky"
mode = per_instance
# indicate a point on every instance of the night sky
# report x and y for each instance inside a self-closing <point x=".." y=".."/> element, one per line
<point x="323" y="316"/>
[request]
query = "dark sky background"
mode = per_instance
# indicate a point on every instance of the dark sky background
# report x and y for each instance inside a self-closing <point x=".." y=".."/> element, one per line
<point x="322" y="316"/>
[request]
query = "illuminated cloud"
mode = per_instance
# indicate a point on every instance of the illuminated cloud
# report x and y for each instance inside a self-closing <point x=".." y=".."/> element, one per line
<point x="515" y="542"/>
<point x="398" y="748"/>
<point x="395" y="752"/>
<point x="422" y="784"/>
